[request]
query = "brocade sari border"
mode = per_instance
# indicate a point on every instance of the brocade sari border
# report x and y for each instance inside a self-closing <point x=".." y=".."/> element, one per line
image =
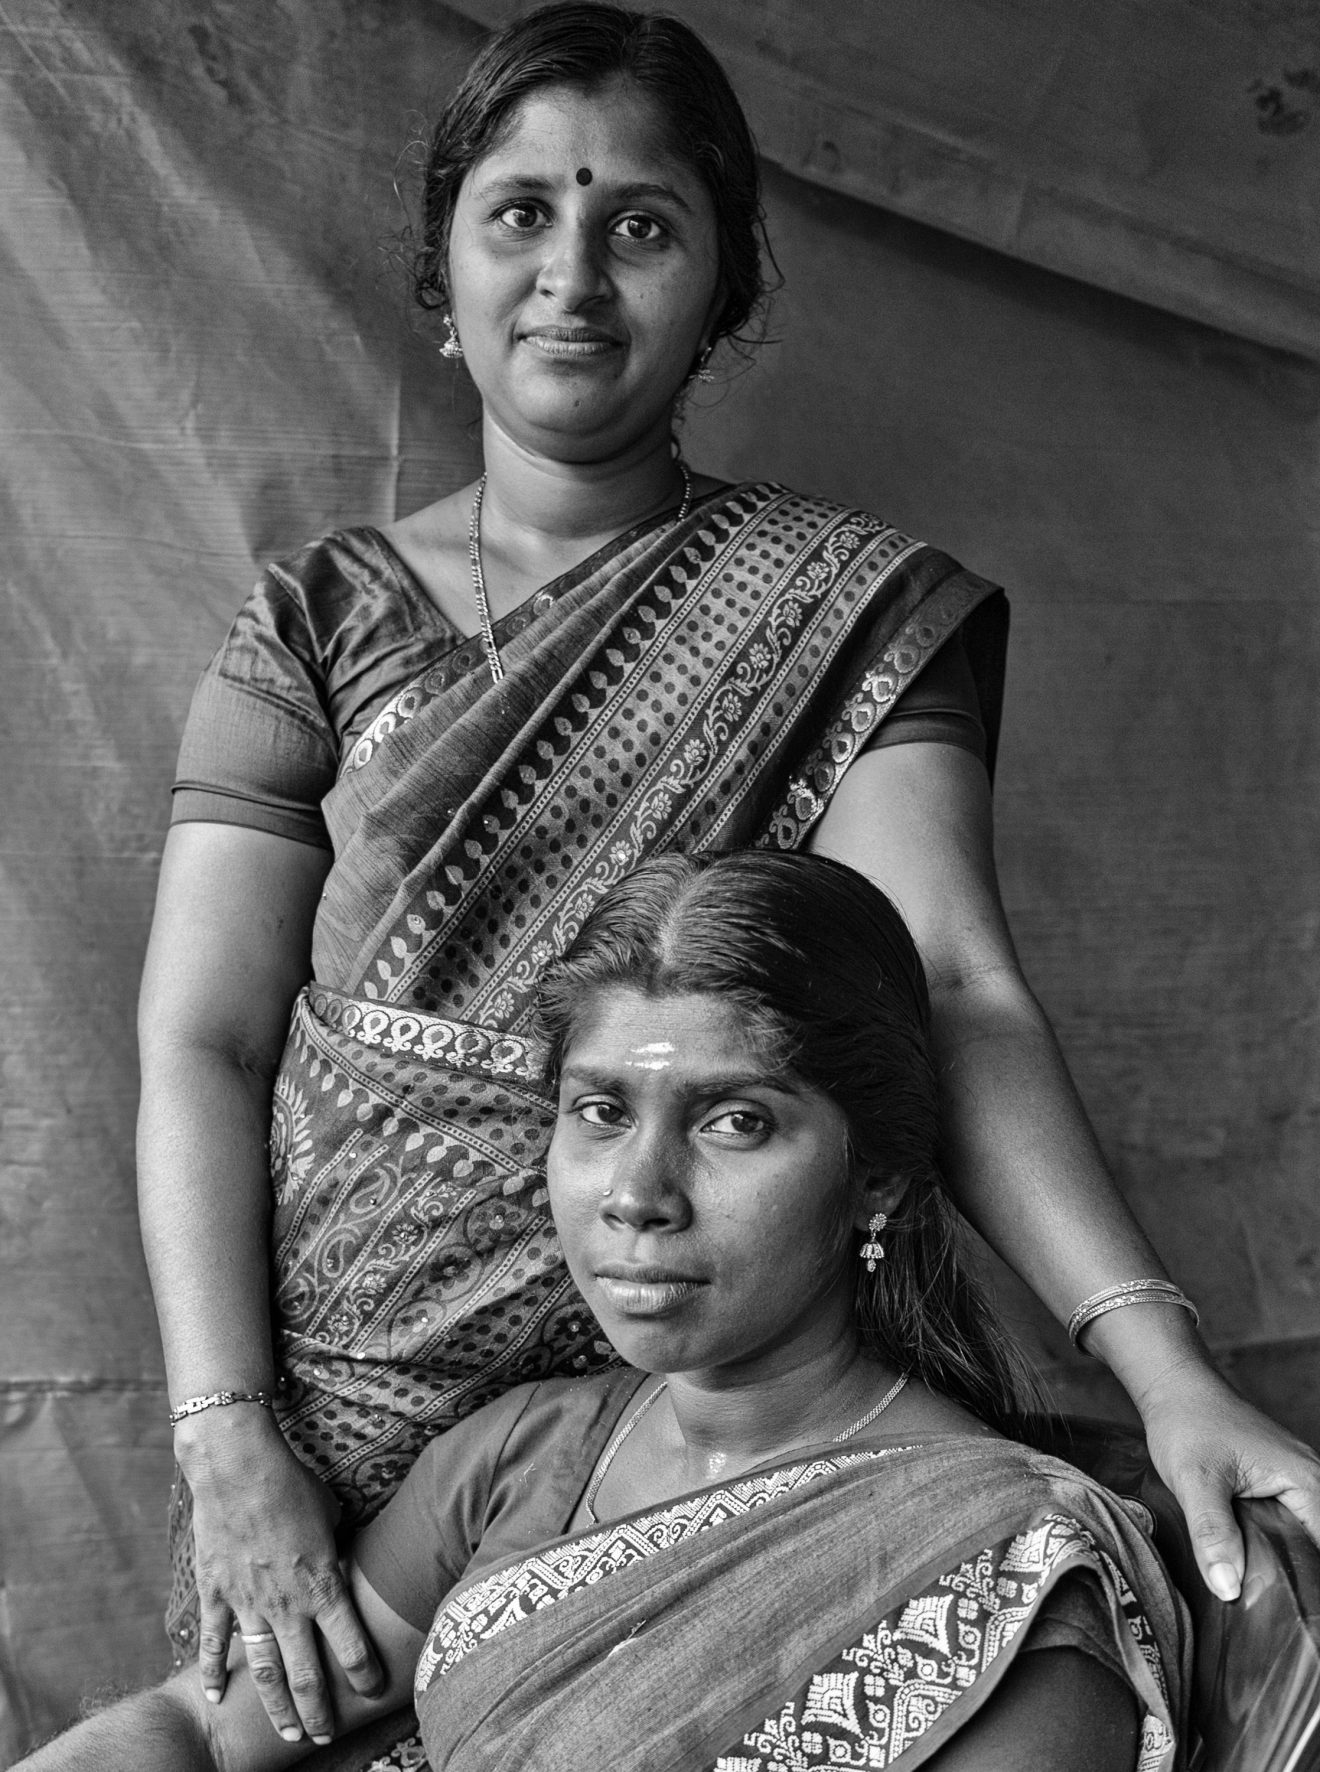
<point x="880" y="1692"/>
<point x="436" y="1039"/>
<point x="916" y="643"/>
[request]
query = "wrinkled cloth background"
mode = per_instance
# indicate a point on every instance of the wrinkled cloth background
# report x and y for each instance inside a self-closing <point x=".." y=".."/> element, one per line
<point x="1050" y="302"/>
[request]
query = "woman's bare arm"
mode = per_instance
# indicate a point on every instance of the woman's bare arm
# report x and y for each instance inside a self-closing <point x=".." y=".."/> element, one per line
<point x="1025" y="1165"/>
<point x="172" y="1729"/>
<point x="230" y="949"/>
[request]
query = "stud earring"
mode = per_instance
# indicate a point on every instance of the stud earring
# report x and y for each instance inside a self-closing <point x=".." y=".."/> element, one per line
<point x="452" y="348"/>
<point x="873" y="1249"/>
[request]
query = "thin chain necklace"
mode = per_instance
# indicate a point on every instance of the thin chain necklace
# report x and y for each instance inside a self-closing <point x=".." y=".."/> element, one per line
<point x="593" y="1490"/>
<point x="491" y="650"/>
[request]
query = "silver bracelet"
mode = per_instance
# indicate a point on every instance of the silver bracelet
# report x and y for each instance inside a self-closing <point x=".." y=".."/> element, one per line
<point x="219" y="1400"/>
<point x="1115" y="1298"/>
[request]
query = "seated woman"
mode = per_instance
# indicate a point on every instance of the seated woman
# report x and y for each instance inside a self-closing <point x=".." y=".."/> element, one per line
<point x="790" y="1532"/>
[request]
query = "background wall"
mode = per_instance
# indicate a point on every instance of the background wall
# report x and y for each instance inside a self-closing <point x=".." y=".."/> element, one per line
<point x="205" y="361"/>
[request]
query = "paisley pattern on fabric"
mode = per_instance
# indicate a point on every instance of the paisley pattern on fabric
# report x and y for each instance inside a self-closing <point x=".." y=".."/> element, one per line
<point x="665" y="695"/>
<point x="418" y="1272"/>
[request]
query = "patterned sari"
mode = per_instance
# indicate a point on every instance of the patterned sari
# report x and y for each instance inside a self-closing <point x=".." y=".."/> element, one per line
<point x="854" y="1609"/>
<point x="706" y="684"/>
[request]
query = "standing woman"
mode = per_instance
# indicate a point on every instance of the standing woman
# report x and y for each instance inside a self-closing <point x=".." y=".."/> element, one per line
<point x="425" y="751"/>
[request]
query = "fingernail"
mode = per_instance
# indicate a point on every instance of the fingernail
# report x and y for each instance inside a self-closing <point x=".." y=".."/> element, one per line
<point x="291" y="1734"/>
<point x="212" y="1694"/>
<point x="323" y="1740"/>
<point x="1223" y="1579"/>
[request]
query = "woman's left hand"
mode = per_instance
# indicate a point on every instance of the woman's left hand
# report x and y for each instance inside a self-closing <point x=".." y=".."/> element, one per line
<point x="1210" y="1446"/>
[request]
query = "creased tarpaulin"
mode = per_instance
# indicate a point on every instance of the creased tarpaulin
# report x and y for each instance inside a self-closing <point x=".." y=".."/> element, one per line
<point x="80" y="1522"/>
<point x="203" y="362"/>
<point x="1165" y="149"/>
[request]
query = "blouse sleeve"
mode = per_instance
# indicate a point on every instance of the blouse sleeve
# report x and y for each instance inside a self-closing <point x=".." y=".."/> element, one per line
<point x="1074" y="1615"/>
<point x="503" y="1482"/>
<point x="417" y="1548"/>
<point x="259" y="748"/>
<point x="941" y="707"/>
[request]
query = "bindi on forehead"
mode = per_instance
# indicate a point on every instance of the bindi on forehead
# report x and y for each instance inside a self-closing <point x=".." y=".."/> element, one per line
<point x="583" y="175"/>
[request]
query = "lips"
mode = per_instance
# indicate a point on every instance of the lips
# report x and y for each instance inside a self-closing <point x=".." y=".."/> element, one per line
<point x="635" y="1290"/>
<point x="570" y="341"/>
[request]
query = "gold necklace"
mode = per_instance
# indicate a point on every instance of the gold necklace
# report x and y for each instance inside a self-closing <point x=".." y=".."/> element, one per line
<point x="491" y="650"/>
<point x="593" y="1489"/>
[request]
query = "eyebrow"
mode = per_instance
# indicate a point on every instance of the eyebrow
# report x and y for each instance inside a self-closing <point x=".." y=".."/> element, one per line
<point x="536" y="183"/>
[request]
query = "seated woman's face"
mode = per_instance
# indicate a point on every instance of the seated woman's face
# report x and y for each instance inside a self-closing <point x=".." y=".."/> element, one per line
<point x="704" y="1200"/>
<point x="583" y="273"/>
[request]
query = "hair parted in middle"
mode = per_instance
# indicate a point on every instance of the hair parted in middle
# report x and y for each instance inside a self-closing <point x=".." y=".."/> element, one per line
<point x="829" y="983"/>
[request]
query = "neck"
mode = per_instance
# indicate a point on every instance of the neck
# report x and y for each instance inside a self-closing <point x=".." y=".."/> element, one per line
<point x="534" y="498"/>
<point x="729" y="1421"/>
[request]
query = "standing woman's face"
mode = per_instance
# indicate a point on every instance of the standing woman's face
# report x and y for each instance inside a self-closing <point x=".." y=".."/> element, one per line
<point x="583" y="274"/>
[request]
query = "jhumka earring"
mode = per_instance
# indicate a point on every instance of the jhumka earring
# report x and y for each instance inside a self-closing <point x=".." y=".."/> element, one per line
<point x="872" y="1248"/>
<point x="701" y="373"/>
<point x="452" y="347"/>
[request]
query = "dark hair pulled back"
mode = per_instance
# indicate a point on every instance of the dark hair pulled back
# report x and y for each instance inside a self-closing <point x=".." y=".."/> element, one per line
<point x="587" y="45"/>
<point x="829" y="982"/>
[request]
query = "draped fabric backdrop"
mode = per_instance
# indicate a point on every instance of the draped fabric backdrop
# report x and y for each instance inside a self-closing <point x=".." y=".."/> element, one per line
<point x="1050" y="302"/>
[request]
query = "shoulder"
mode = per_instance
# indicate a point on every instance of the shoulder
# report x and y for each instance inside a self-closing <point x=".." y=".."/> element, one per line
<point x="340" y="613"/>
<point x="775" y="526"/>
<point x="1046" y="1485"/>
<point x="571" y="1411"/>
<point x="804" y="509"/>
<point x="564" y="1412"/>
<point x="326" y="579"/>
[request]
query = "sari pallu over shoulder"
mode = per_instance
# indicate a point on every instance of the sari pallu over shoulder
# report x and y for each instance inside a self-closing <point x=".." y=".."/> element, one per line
<point x="679" y="1640"/>
<point x="706" y="686"/>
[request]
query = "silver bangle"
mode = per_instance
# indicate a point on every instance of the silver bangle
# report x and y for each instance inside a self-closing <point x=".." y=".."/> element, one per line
<point x="219" y="1400"/>
<point x="1115" y="1298"/>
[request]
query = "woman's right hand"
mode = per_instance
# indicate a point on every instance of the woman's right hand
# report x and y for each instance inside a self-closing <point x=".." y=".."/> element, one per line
<point x="263" y="1530"/>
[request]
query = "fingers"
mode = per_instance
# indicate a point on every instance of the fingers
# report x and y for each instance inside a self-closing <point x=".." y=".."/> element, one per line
<point x="284" y="1660"/>
<point x="213" y="1654"/>
<point x="350" y="1645"/>
<point x="1302" y="1498"/>
<point x="286" y="1671"/>
<point x="1290" y="1475"/>
<point x="1216" y="1540"/>
<point x="1210" y="1445"/>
